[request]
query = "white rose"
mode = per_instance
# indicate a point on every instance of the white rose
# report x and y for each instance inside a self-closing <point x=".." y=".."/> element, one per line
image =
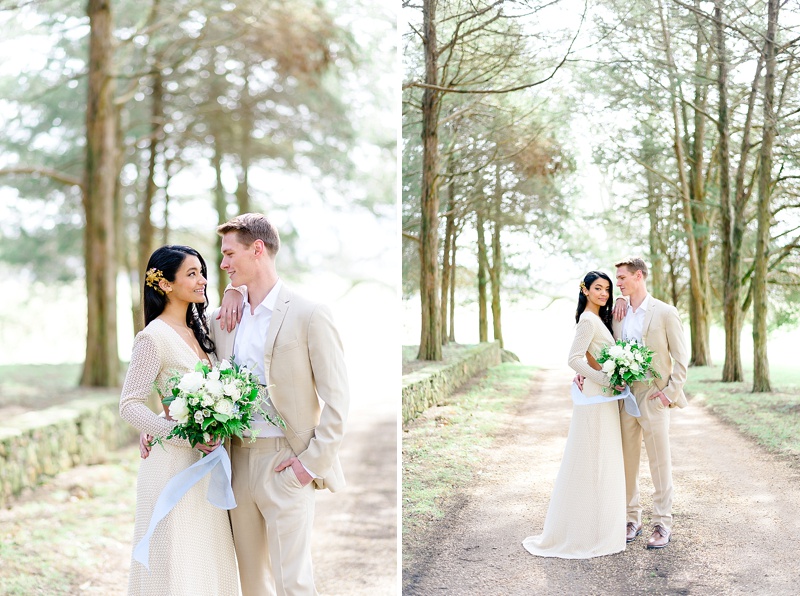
<point x="609" y="367"/>
<point x="615" y="351"/>
<point x="638" y="356"/>
<point x="191" y="382"/>
<point x="225" y="365"/>
<point x="214" y="387"/>
<point x="198" y="417"/>
<point x="224" y="406"/>
<point x="213" y="375"/>
<point x="232" y="391"/>
<point x="635" y="368"/>
<point x="178" y="410"/>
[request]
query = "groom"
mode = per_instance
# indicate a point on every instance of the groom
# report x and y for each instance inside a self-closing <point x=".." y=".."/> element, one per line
<point x="291" y="344"/>
<point x="658" y="326"/>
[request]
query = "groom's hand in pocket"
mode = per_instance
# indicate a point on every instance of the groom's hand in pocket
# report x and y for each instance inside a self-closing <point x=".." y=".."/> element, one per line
<point x="299" y="470"/>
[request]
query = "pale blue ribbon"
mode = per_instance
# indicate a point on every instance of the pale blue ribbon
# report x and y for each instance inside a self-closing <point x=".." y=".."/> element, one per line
<point x="220" y="494"/>
<point x="631" y="407"/>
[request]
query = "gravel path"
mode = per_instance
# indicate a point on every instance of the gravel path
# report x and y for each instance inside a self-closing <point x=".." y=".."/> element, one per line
<point x="735" y="516"/>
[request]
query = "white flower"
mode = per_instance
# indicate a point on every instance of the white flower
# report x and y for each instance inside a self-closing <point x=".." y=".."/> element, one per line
<point x="639" y="358"/>
<point x="194" y="400"/>
<point x="615" y="351"/>
<point x="198" y="417"/>
<point x="191" y="382"/>
<point x="225" y="365"/>
<point x="224" y="406"/>
<point x="635" y="368"/>
<point x="609" y="367"/>
<point x="207" y="437"/>
<point x="213" y="375"/>
<point x="231" y="390"/>
<point x="214" y="387"/>
<point x="207" y="400"/>
<point x="178" y="410"/>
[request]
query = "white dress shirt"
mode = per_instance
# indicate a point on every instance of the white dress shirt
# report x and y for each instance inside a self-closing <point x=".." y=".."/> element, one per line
<point x="633" y="323"/>
<point x="248" y="348"/>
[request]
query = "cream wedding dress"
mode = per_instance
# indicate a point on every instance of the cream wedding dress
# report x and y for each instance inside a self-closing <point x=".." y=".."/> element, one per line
<point x="191" y="550"/>
<point x="586" y="515"/>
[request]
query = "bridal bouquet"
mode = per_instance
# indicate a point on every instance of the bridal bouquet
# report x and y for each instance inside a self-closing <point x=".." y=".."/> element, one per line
<point x="626" y="362"/>
<point x="212" y="403"/>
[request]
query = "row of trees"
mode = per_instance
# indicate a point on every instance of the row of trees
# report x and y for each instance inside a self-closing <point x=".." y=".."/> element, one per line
<point x="131" y="94"/>
<point x="695" y="108"/>
<point x="704" y="88"/>
<point x="472" y="129"/>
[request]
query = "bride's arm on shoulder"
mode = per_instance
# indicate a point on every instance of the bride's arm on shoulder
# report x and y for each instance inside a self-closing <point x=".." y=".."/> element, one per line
<point x="231" y="309"/>
<point x="142" y="372"/>
<point x="584" y="333"/>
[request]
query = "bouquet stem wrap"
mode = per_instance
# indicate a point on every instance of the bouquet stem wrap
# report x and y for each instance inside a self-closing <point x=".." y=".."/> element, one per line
<point x="631" y="407"/>
<point x="220" y="494"/>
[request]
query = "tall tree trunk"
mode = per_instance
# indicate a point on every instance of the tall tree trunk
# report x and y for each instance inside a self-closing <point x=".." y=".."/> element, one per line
<point x="497" y="258"/>
<point x="450" y="226"/>
<point x="146" y="229"/>
<point x="101" y="367"/>
<point x="656" y="277"/>
<point x="430" y="343"/>
<point x="452" y="334"/>
<point x="221" y="206"/>
<point x="761" y="382"/>
<point x="732" y="369"/>
<point x="483" y="266"/>
<point x="700" y="311"/>
<point x="697" y="298"/>
<point x="245" y="147"/>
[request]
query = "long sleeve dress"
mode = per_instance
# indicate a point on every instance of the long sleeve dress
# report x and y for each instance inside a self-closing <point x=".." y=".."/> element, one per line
<point x="586" y="515"/>
<point x="191" y="550"/>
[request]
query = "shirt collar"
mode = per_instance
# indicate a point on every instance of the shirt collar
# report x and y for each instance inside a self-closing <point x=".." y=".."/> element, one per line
<point x="643" y="306"/>
<point x="271" y="299"/>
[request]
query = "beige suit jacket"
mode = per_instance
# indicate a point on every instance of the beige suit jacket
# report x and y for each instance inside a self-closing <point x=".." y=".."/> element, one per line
<point x="662" y="332"/>
<point x="304" y="361"/>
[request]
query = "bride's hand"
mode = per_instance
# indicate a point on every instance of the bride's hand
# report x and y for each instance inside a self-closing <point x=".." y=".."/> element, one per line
<point x="230" y="311"/>
<point x="620" y="308"/>
<point x="578" y="380"/>
<point x="145" y="445"/>
<point x="209" y="447"/>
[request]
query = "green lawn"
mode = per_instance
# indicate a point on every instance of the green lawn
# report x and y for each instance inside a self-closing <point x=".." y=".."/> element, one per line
<point x="441" y="449"/>
<point x="771" y="419"/>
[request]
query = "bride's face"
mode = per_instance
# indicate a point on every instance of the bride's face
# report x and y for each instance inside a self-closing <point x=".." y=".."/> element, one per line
<point x="189" y="284"/>
<point x="598" y="292"/>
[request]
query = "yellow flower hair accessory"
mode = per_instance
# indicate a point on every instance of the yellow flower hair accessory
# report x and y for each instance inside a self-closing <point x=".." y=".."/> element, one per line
<point x="152" y="278"/>
<point x="582" y="285"/>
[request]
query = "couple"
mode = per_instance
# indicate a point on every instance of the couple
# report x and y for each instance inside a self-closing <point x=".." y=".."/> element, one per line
<point x="292" y="345"/>
<point x="597" y="486"/>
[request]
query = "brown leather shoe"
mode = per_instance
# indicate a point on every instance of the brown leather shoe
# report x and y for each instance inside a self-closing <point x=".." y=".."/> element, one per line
<point x="633" y="531"/>
<point x="659" y="538"/>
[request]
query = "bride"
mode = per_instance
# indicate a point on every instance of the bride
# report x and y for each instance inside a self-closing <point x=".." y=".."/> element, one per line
<point x="191" y="550"/>
<point x="586" y="516"/>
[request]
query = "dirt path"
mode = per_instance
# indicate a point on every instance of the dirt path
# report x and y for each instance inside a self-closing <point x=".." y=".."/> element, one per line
<point x="735" y="516"/>
<point x="72" y="535"/>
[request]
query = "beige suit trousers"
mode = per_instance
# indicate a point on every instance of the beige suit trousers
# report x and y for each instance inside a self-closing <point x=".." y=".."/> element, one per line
<point x="653" y="426"/>
<point x="272" y="521"/>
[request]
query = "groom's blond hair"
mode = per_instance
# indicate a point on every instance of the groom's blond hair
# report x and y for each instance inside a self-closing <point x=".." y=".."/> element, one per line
<point x="250" y="227"/>
<point x="634" y="264"/>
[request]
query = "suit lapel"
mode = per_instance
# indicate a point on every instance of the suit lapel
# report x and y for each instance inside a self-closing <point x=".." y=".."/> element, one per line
<point x="275" y="322"/>
<point x="648" y="317"/>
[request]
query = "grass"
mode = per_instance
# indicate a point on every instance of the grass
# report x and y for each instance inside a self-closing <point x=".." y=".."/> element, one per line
<point x="73" y="534"/>
<point x="442" y="449"/>
<point x="771" y="419"/>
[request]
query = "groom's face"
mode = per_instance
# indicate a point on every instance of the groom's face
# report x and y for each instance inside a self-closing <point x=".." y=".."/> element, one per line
<point x="237" y="259"/>
<point x="628" y="281"/>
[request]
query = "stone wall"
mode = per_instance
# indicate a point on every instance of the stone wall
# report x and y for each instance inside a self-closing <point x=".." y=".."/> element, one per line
<point x="45" y="442"/>
<point x="433" y="384"/>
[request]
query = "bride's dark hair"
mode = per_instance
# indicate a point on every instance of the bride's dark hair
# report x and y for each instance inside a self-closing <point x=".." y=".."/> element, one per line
<point x="605" y="311"/>
<point x="166" y="261"/>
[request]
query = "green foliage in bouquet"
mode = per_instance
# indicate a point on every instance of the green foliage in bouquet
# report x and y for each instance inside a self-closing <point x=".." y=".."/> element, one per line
<point x="626" y="362"/>
<point x="213" y="403"/>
